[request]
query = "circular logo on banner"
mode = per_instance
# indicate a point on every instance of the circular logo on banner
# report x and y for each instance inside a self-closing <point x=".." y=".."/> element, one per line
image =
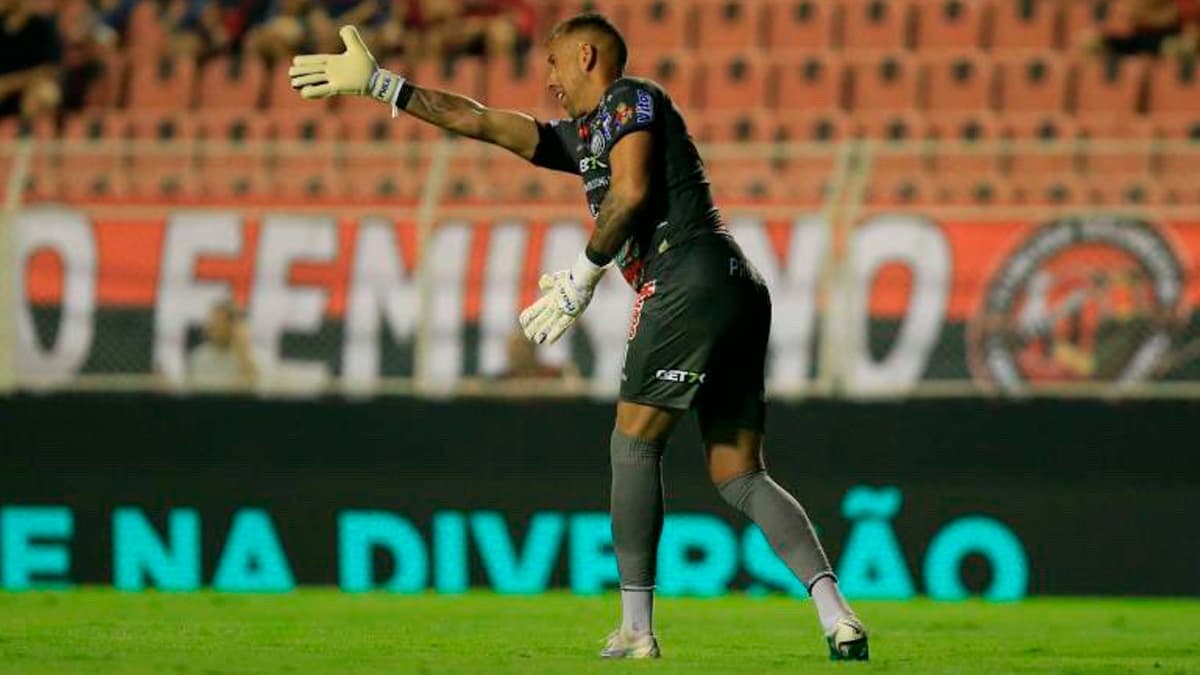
<point x="1091" y="299"/>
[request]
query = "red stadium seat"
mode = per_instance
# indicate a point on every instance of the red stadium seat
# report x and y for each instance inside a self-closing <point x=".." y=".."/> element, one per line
<point x="735" y="80"/>
<point x="674" y="70"/>
<point x="165" y="83"/>
<point x="227" y="82"/>
<point x="520" y="86"/>
<point x="803" y="24"/>
<point x="745" y="180"/>
<point x="965" y="142"/>
<point x="1109" y="89"/>
<point x="105" y="89"/>
<point x="617" y="11"/>
<point x="1124" y="149"/>
<point x="1174" y="87"/>
<point x="897" y="140"/>
<point x="1053" y="189"/>
<point x="886" y="82"/>
<point x="1040" y="144"/>
<point x="1024" y="24"/>
<point x="951" y="24"/>
<point x="1178" y="151"/>
<point x="957" y="82"/>
<point x="1084" y="16"/>
<point x="877" y="24"/>
<point x="661" y="23"/>
<point x="728" y="24"/>
<point x="974" y="188"/>
<point x="232" y="151"/>
<point x="812" y="81"/>
<point x="1032" y="82"/>
<point x="145" y="34"/>
<point x="731" y="126"/>
<point x="897" y="188"/>
<point x="164" y="162"/>
<point x="812" y="126"/>
<point x="92" y="163"/>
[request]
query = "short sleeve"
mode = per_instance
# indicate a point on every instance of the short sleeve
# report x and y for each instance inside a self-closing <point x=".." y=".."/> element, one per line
<point x="552" y="150"/>
<point x="629" y="106"/>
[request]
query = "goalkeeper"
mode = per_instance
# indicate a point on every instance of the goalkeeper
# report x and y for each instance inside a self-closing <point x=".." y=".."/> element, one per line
<point x="698" y="336"/>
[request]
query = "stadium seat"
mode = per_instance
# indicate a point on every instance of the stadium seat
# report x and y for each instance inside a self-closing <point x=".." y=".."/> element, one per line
<point x="951" y="24"/>
<point x="970" y="188"/>
<point x="803" y="25"/>
<point x="731" y="126"/>
<point x="163" y="163"/>
<point x="963" y="142"/>
<point x="745" y="180"/>
<point x="464" y="76"/>
<point x="876" y="24"/>
<point x="145" y="35"/>
<point x="1039" y="144"/>
<point x="885" y="82"/>
<point x="896" y="188"/>
<point x="518" y="85"/>
<point x="962" y="81"/>
<point x="1115" y="146"/>
<point x="674" y="69"/>
<point x="232" y="151"/>
<point x="1174" y="87"/>
<point x="301" y="181"/>
<point x="1109" y="89"/>
<point x="665" y="24"/>
<point x="812" y="126"/>
<point x="617" y="11"/>
<point x="1023" y="24"/>
<point x="732" y="81"/>
<point x="92" y="164"/>
<point x="1124" y="190"/>
<point x="105" y="90"/>
<point x="1177" y="153"/>
<point x="1053" y="189"/>
<point x="41" y="128"/>
<point x="812" y="81"/>
<point x="164" y="83"/>
<point x="1084" y="16"/>
<point x="231" y="82"/>
<point x="728" y="24"/>
<point x="1033" y="82"/>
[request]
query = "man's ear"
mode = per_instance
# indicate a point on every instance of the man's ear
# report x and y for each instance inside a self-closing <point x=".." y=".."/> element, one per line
<point x="587" y="56"/>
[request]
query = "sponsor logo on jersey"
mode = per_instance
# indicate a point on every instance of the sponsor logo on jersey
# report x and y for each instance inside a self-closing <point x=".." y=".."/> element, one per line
<point x="644" y="107"/>
<point x="1080" y="300"/>
<point x="681" y="376"/>
<point x="597" y="144"/>
<point x="593" y="162"/>
<point x="595" y="183"/>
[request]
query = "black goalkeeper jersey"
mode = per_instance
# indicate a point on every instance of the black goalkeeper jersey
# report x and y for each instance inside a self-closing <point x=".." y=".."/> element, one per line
<point x="680" y="203"/>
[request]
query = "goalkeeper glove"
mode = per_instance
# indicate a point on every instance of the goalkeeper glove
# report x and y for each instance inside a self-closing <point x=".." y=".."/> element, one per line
<point x="568" y="293"/>
<point x="352" y="72"/>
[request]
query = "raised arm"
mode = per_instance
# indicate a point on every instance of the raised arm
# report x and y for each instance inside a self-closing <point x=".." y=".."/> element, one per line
<point x="508" y="129"/>
<point x="355" y="72"/>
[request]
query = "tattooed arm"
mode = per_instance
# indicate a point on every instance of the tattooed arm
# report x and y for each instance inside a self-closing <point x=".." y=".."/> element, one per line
<point x="631" y="161"/>
<point x="459" y="114"/>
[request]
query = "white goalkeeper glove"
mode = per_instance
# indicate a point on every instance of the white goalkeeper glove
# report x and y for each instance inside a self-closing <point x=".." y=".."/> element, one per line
<point x="568" y="293"/>
<point x="353" y="72"/>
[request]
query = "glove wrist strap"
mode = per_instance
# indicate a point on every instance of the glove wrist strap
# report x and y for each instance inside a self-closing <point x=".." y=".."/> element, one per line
<point x="389" y="88"/>
<point x="585" y="273"/>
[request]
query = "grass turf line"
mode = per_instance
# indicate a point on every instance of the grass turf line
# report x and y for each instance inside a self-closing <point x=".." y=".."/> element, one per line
<point x="95" y="630"/>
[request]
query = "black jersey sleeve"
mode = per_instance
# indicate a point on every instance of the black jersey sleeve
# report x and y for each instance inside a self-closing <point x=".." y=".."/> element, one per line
<point x="629" y="106"/>
<point x="553" y="149"/>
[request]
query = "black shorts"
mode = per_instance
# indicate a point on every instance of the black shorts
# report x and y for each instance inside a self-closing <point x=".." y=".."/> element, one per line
<point x="698" y="336"/>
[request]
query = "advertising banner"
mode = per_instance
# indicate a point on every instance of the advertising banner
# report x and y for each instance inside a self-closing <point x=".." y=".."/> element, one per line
<point x="344" y="302"/>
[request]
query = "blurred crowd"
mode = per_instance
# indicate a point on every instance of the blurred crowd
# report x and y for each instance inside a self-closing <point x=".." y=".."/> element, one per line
<point x="51" y="49"/>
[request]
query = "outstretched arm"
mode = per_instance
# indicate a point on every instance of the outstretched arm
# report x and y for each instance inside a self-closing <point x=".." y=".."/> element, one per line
<point x="459" y="114"/>
<point x="355" y="72"/>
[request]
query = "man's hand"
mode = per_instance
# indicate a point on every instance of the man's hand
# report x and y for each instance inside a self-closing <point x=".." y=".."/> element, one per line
<point x="353" y="72"/>
<point x="567" y="294"/>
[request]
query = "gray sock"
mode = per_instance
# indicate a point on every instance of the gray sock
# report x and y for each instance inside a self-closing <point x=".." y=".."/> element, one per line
<point x="637" y="519"/>
<point x="784" y="522"/>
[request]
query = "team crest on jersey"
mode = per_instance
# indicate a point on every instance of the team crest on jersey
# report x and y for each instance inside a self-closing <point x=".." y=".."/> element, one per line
<point x="644" y="107"/>
<point x="623" y="114"/>
<point x="597" y="144"/>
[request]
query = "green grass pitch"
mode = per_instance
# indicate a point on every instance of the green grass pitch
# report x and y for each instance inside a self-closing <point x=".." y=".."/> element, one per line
<point x="324" y="631"/>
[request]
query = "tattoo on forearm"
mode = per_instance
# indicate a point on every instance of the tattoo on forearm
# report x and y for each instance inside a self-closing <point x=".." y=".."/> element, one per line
<point x="449" y="111"/>
<point x="614" y="224"/>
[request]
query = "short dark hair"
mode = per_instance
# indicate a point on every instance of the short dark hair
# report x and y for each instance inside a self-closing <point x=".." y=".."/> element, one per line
<point x="601" y="24"/>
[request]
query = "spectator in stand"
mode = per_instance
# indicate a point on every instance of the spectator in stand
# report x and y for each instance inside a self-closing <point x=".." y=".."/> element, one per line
<point x="30" y="59"/>
<point x="1158" y="27"/>
<point x="87" y="43"/>
<point x="333" y="14"/>
<point x="223" y="359"/>
<point x="195" y="28"/>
